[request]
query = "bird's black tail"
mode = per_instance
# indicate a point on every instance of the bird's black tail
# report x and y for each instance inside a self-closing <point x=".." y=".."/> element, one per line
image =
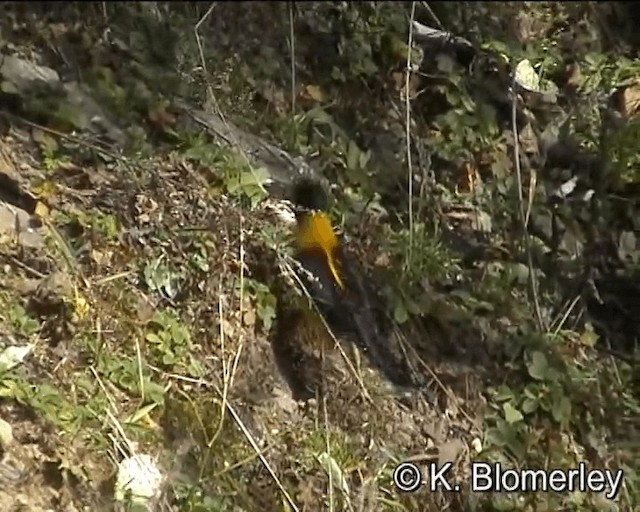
<point x="333" y="279"/>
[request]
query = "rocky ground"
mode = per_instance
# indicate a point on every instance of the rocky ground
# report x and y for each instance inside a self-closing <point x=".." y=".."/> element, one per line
<point x="138" y="247"/>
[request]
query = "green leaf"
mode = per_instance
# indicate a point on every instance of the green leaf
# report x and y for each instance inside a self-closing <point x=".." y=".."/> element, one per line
<point x="364" y="159"/>
<point x="154" y="392"/>
<point x="400" y="313"/>
<point x="503" y="393"/>
<point x="526" y="76"/>
<point x="511" y="414"/>
<point x="152" y="337"/>
<point x="510" y="436"/>
<point x="332" y="468"/>
<point x="529" y="405"/>
<point x="519" y="273"/>
<point x="267" y="313"/>
<point x="588" y="338"/>
<point x="140" y="413"/>
<point x="561" y="410"/>
<point x="195" y="368"/>
<point x="353" y="155"/>
<point x="8" y="88"/>
<point x="413" y="307"/>
<point x="531" y="391"/>
<point x="261" y="175"/>
<point x="538" y="367"/>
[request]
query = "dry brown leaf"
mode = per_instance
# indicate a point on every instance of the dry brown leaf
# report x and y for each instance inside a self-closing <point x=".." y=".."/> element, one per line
<point x="314" y="92"/>
<point x="469" y="179"/>
<point x="383" y="260"/>
<point x="6" y="164"/>
<point x="101" y="258"/>
<point x="249" y="318"/>
<point x="161" y="118"/>
<point x="398" y="79"/>
<point x="574" y="75"/>
<point x="275" y="97"/>
<point x="528" y="140"/>
<point x="631" y="99"/>
<point x="228" y="329"/>
<point x="41" y="210"/>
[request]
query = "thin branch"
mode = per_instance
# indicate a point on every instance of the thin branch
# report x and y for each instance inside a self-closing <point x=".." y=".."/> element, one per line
<point x="203" y="63"/>
<point x="292" y="47"/>
<point x="523" y="216"/>
<point x="407" y="105"/>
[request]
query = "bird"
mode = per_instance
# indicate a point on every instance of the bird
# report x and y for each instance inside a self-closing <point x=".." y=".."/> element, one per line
<point x="339" y="295"/>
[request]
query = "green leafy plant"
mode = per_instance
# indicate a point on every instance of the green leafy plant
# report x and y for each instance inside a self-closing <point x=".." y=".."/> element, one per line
<point x="21" y="321"/>
<point x="264" y="301"/>
<point x="428" y="260"/>
<point x="231" y="168"/>
<point x="171" y="341"/>
<point x="162" y="277"/>
<point x="248" y="183"/>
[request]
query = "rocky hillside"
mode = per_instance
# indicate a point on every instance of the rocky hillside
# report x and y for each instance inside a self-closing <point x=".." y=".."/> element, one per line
<point x="482" y="164"/>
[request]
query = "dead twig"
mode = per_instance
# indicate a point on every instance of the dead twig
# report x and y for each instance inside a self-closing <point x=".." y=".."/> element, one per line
<point x="523" y="215"/>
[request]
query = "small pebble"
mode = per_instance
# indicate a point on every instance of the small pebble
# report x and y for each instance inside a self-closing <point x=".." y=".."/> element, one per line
<point x="6" y="435"/>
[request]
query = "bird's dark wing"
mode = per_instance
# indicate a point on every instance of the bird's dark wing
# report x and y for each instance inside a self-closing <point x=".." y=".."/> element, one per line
<point x="326" y="294"/>
<point x="353" y="313"/>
